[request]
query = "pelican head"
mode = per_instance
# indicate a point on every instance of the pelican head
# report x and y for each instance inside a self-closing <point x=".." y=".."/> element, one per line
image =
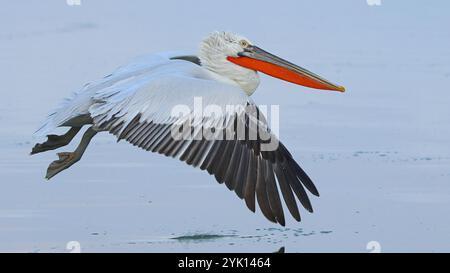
<point x="236" y="58"/>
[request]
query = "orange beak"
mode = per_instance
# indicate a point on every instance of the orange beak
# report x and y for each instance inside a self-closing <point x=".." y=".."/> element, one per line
<point x="259" y="60"/>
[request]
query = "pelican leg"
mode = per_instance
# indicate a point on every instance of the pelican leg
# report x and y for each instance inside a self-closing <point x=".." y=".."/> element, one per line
<point x="67" y="159"/>
<point x="55" y="141"/>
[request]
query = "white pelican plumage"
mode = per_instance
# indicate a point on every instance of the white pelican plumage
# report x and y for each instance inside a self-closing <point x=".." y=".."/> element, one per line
<point x="135" y="103"/>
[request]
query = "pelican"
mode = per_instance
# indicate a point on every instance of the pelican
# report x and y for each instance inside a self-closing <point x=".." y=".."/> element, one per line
<point x="135" y="103"/>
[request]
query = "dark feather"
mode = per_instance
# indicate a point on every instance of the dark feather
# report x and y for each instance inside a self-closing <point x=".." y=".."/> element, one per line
<point x="289" y="198"/>
<point x="272" y="193"/>
<point x="240" y="162"/>
<point x="261" y="193"/>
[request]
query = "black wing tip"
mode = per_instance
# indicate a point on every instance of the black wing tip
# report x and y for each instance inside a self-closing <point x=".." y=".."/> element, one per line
<point x="297" y="217"/>
<point x="313" y="190"/>
<point x="305" y="179"/>
<point x="251" y="206"/>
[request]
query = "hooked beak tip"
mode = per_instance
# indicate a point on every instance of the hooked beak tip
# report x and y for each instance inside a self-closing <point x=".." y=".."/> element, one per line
<point x="341" y="89"/>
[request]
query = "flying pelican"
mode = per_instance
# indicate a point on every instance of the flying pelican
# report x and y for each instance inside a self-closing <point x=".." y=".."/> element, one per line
<point x="135" y="103"/>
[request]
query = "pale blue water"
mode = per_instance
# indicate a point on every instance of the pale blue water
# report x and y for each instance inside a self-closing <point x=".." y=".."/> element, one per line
<point x="379" y="154"/>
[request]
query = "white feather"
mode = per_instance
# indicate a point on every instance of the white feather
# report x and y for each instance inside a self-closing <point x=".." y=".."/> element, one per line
<point x="154" y="83"/>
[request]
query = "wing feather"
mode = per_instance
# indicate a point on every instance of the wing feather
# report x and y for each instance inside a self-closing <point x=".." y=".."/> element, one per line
<point x="261" y="190"/>
<point x="141" y="112"/>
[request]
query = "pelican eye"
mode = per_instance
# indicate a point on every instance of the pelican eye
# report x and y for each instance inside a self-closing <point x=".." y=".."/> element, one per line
<point x="243" y="43"/>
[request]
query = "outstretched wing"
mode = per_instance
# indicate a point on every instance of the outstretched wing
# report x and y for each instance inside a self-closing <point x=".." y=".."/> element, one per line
<point x="141" y="111"/>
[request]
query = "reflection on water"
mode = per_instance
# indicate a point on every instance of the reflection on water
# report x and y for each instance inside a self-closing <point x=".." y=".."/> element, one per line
<point x="268" y="234"/>
<point x="233" y="238"/>
<point x="200" y="237"/>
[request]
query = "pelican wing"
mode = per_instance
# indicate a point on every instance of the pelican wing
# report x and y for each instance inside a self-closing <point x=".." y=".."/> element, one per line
<point x="140" y="108"/>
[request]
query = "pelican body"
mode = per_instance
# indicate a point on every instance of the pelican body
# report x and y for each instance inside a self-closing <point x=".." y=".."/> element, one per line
<point x="135" y="103"/>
